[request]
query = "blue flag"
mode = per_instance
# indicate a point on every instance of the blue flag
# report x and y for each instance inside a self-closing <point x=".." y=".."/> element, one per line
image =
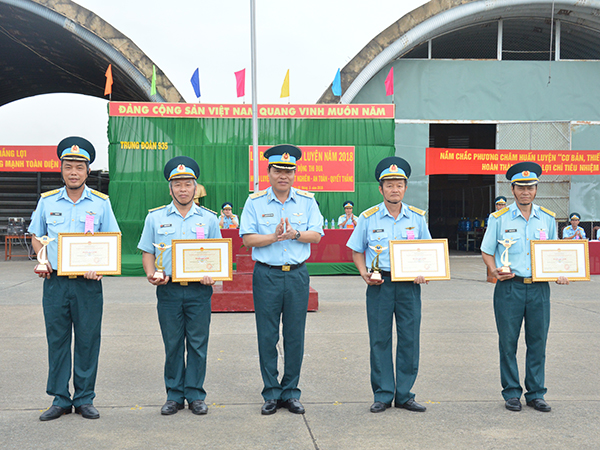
<point x="337" y="84"/>
<point x="196" y="82"/>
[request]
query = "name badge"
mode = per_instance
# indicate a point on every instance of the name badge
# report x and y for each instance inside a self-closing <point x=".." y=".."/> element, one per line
<point x="512" y="230"/>
<point x="56" y="214"/>
<point x="166" y="225"/>
<point x="268" y="215"/>
<point x="378" y="230"/>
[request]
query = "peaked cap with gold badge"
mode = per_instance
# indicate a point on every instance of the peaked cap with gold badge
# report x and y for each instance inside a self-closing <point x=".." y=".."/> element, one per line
<point x="181" y="167"/>
<point x="525" y="173"/>
<point x="392" y="168"/>
<point x="283" y="156"/>
<point x="75" y="148"/>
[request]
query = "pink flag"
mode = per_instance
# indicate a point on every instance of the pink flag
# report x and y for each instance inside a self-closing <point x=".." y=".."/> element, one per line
<point x="240" y="82"/>
<point x="389" y="83"/>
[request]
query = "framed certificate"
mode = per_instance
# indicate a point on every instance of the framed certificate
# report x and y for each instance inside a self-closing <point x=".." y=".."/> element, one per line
<point x="427" y="257"/>
<point x="195" y="258"/>
<point x="552" y="259"/>
<point x="79" y="253"/>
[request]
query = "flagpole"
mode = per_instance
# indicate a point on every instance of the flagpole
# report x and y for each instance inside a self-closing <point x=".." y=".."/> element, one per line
<point x="254" y="101"/>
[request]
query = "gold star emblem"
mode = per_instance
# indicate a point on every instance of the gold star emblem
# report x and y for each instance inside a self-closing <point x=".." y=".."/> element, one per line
<point x="393" y="168"/>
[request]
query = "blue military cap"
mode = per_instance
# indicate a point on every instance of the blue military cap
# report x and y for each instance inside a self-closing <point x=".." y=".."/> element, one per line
<point x="76" y="148"/>
<point x="349" y="204"/>
<point x="500" y="199"/>
<point x="283" y="156"/>
<point x="575" y="216"/>
<point x="181" y="167"/>
<point x="392" y="168"/>
<point x="525" y="173"/>
<point x="226" y="205"/>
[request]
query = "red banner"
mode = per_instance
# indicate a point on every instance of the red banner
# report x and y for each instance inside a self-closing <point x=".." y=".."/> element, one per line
<point x="29" y="158"/>
<point x="322" y="169"/>
<point x="491" y="162"/>
<point x="201" y="110"/>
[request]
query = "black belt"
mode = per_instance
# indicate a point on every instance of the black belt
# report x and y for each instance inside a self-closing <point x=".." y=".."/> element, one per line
<point x="522" y="280"/>
<point x="385" y="273"/>
<point x="284" y="268"/>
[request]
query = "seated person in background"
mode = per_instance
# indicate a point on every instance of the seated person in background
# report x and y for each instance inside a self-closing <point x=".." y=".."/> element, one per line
<point x="347" y="220"/>
<point x="574" y="231"/>
<point x="227" y="219"/>
<point x="597" y="230"/>
<point x="500" y="202"/>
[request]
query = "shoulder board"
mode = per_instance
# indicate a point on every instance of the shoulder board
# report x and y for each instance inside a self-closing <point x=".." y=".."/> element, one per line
<point x="258" y="194"/>
<point x="49" y="193"/>
<point x="370" y="212"/>
<point x="209" y="210"/>
<point x="499" y="213"/>
<point x="157" y="208"/>
<point x="547" y="211"/>
<point x="99" y="194"/>
<point x="306" y="194"/>
<point x="417" y="210"/>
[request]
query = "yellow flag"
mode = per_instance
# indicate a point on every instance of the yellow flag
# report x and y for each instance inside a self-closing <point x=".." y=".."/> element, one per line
<point x="285" y="89"/>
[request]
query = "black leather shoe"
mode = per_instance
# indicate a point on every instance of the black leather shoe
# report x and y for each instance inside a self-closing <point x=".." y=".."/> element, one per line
<point x="270" y="407"/>
<point x="540" y="405"/>
<point x="198" y="407"/>
<point x="88" y="411"/>
<point x="293" y="405"/>
<point x="411" y="405"/>
<point x="54" y="412"/>
<point x="378" y="407"/>
<point x="513" y="404"/>
<point x="171" y="407"/>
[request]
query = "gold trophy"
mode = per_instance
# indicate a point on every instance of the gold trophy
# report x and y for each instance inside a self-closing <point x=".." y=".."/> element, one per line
<point x="42" y="255"/>
<point x="507" y="243"/>
<point x="375" y="270"/>
<point x="160" y="270"/>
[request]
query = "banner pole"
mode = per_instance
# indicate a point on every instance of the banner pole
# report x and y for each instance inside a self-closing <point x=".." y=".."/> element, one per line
<point x="254" y="100"/>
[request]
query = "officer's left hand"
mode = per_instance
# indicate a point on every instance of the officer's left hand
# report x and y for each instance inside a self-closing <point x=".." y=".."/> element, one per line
<point x="283" y="234"/>
<point x="421" y="280"/>
<point x="91" y="275"/>
<point x="207" y="281"/>
<point x="562" y="280"/>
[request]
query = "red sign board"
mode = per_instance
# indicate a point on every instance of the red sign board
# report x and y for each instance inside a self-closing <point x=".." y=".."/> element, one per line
<point x="29" y="158"/>
<point x="491" y="162"/>
<point x="322" y="169"/>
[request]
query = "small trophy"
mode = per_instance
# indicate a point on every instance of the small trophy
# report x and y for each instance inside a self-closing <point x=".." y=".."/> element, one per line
<point x="160" y="270"/>
<point x="507" y="243"/>
<point x="375" y="270"/>
<point x="42" y="255"/>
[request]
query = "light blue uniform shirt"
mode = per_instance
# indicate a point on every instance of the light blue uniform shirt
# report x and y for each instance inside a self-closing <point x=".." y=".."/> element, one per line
<point x="569" y="232"/>
<point x="229" y="221"/>
<point x="380" y="227"/>
<point x="513" y="225"/>
<point x="342" y="219"/>
<point x="264" y="212"/>
<point x="56" y="213"/>
<point x="166" y="223"/>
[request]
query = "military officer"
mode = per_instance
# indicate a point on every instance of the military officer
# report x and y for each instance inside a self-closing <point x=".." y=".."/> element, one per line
<point x="279" y="224"/>
<point x="72" y="305"/>
<point x="390" y="220"/>
<point x="348" y="219"/>
<point x="500" y="202"/>
<point x="516" y="297"/>
<point x="574" y="231"/>
<point x="227" y="218"/>
<point x="184" y="309"/>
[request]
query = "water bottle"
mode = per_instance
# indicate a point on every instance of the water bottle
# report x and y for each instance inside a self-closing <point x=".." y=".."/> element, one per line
<point x="332" y="224"/>
<point x="326" y="225"/>
<point x="467" y="224"/>
<point x="476" y="223"/>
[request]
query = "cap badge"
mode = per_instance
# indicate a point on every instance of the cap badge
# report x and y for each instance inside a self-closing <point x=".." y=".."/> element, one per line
<point x="393" y="168"/>
<point x="180" y="168"/>
<point x="526" y="173"/>
<point x="75" y="149"/>
<point x="285" y="157"/>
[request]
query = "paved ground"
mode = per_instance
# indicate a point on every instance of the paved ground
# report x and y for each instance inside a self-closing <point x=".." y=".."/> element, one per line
<point x="458" y="378"/>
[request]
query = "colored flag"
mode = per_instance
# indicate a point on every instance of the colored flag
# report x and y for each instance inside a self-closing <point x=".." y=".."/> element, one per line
<point x="153" y="87"/>
<point x="240" y="82"/>
<point x="109" y="80"/>
<point x="285" y="89"/>
<point x="337" y="84"/>
<point x="389" y="83"/>
<point x="196" y="82"/>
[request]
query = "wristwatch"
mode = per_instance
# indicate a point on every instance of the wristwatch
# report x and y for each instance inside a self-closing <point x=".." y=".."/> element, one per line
<point x="297" y="236"/>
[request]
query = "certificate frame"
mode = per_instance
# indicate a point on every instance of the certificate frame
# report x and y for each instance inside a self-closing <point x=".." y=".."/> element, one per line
<point x="73" y="259"/>
<point x="437" y="254"/>
<point x="547" y="263"/>
<point x="188" y="248"/>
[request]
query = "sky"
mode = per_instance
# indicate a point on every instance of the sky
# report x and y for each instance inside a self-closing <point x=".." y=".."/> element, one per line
<point x="311" y="38"/>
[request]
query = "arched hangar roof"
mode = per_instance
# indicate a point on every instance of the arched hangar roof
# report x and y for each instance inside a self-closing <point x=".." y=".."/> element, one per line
<point x="49" y="46"/>
<point x="453" y="23"/>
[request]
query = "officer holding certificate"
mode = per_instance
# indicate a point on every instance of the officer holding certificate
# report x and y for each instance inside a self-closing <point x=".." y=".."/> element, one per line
<point x="390" y="220"/>
<point x="71" y="305"/>
<point x="183" y="310"/>
<point x="506" y="253"/>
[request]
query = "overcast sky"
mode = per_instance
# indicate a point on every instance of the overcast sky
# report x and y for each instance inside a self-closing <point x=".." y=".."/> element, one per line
<point x="312" y="38"/>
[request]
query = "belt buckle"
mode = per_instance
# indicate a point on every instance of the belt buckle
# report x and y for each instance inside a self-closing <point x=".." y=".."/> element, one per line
<point x="285" y="268"/>
<point x="527" y="281"/>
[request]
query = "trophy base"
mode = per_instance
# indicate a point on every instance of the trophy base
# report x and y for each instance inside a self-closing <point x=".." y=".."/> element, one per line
<point x="375" y="276"/>
<point x="159" y="275"/>
<point x="41" y="268"/>
<point x="504" y="270"/>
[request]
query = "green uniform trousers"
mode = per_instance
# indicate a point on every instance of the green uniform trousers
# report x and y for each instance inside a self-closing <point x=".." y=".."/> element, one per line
<point x="184" y="317"/>
<point x="513" y="302"/>
<point x="280" y="295"/>
<point x="72" y="306"/>
<point x="402" y="300"/>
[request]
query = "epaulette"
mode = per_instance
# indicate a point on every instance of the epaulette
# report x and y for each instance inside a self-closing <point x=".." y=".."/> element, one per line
<point x="99" y="194"/>
<point x="209" y="210"/>
<point x="547" y="211"/>
<point x="417" y="210"/>
<point x="306" y="194"/>
<point x="157" y="208"/>
<point x="370" y="212"/>
<point x="49" y="193"/>
<point x="499" y="213"/>
<point x="258" y="194"/>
